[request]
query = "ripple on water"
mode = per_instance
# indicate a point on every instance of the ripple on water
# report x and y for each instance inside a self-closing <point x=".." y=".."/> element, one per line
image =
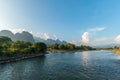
<point x="86" y="65"/>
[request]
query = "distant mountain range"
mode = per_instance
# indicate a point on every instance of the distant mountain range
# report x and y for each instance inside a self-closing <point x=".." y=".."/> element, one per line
<point x="26" y="36"/>
<point x="49" y="41"/>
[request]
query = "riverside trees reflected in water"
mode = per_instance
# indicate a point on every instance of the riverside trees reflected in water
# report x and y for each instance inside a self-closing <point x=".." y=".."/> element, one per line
<point x="86" y="65"/>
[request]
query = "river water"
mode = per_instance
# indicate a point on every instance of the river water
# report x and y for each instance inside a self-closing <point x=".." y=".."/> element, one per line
<point x="86" y="65"/>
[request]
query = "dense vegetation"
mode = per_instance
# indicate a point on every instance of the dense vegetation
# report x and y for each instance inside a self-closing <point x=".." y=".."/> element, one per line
<point x="68" y="46"/>
<point x="8" y="47"/>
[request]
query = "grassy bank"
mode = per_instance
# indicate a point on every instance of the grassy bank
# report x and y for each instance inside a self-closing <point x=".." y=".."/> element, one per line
<point x="117" y="51"/>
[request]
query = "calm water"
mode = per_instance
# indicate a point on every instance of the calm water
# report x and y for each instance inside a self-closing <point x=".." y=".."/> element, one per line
<point x="86" y="65"/>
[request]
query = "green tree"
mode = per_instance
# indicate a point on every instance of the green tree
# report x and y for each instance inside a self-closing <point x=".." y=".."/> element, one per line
<point x="5" y="43"/>
<point x="62" y="47"/>
<point x="4" y="39"/>
<point x="54" y="46"/>
<point x="39" y="47"/>
<point x="83" y="47"/>
<point x="19" y="46"/>
<point x="70" y="46"/>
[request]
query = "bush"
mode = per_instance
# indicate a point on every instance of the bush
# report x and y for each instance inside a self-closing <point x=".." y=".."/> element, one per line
<point x="39" y="47"/>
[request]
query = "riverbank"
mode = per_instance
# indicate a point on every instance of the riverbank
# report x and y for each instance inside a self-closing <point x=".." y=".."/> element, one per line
<point x="90" y="65"/>
<point x="63" y="51"/>
<point x="117" y="51"/>
<point x="19" y="57"/>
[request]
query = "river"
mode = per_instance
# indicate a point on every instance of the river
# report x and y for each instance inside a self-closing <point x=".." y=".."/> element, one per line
<point x="86" y="65"/>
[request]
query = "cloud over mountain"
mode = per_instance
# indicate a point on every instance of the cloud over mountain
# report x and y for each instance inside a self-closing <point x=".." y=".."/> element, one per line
<point x="117" y="39"/>
<point x="24" y="36"/>
<point x="86" y="35"/>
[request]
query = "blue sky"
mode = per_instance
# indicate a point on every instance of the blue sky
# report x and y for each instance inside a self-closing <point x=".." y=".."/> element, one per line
<point x="78" y="21"/>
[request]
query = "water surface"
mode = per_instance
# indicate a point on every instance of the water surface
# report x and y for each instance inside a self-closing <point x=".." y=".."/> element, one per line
<point x="86" y="65"/>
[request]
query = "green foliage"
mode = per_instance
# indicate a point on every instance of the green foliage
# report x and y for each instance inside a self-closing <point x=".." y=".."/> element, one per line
<point x="8" y="48"/>
<point x="54" y="46"/>
<point x="39" y="47"/>
<point x="19" y="46"/>
<point x="5" y="43"/>
<point x="62" y="46"/>
<point x="4" y="39"/>
<point x="83" y="47"/>
<point x="69" y="46"/>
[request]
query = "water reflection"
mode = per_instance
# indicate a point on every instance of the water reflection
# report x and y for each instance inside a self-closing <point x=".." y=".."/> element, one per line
<point x="21" y="70"/>
<point x="86" y="58"/>
<point x="6" y="72"/>
<point x="118" y="57"/>
<point x="86" y="65"/>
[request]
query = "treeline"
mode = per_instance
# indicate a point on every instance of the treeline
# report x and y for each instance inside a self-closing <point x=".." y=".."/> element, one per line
<point x="68" y="46"/>
<point x="8" y="47"/>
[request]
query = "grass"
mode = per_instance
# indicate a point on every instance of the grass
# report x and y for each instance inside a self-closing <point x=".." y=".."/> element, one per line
<point x="117" y="51"/>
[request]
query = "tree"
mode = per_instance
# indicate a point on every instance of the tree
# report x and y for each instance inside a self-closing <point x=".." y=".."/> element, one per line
<point x="39" y="47"/>
<point x="4" y="39"/>
<point x="70" y="46"/>
<point x="62" y="46"/>
<point x="19" y="46"/>
<point x="54" y="46"/>
<point x="5" y="43"/>
<point x="83" y="47"/>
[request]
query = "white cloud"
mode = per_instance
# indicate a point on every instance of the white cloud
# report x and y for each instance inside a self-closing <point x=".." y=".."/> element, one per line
<point x="85" y="37"/>
<point x="75" y="42"/>
<point x="46" y="36"/>
<point x="38" y="34"/>
<point x="31" y="32"/>
<point x="41" y="35"/>
<point x="55" y="37"/>
<point x="97" y="29"/>
<point x="19" y="30"/>
<point x="117" y="39"/>
<point x="102" y="41"/>
<point x="14" y="30"/>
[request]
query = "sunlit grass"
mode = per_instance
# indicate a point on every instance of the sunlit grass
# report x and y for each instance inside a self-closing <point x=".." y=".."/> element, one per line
<point x="117" y="51"/>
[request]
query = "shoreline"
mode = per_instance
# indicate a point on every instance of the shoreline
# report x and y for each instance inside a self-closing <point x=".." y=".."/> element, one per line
<point x="18" y="58"/>
<point x="29" y="56"/>
<point x="116" y="51"/>
<point x="63" y="51"/>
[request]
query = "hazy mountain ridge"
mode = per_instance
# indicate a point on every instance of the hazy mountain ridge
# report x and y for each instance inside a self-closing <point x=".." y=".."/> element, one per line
<point x="49" y="41"/>
<point x="26" y="36"/>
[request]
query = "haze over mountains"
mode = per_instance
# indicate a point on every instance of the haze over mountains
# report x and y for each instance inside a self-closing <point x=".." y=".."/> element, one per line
<point x="26" y="36"/>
